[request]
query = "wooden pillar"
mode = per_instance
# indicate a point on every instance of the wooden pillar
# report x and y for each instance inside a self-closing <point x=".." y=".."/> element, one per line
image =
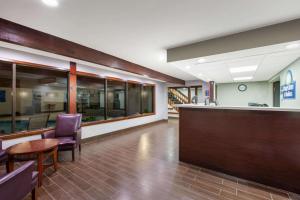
<point x="72" y="88"/>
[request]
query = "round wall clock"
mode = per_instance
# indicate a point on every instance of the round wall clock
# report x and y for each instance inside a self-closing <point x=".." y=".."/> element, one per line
<point x="242" y="87"/>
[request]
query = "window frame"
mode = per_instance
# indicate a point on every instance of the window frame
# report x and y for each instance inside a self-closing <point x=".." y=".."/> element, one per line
<point x="26" y="133"/>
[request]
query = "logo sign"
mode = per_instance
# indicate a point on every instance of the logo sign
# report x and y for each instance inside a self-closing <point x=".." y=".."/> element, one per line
<point x="288" y="91"/>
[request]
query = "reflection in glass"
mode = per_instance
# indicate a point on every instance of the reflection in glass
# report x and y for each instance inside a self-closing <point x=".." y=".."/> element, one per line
<point x="90" y="98"/>
<point x="147" y="99"/>
<point x="41" y="95"/>
<point x="115" y="99"/>
<point x="134" y="99"/>
<point x="5" y="98"/>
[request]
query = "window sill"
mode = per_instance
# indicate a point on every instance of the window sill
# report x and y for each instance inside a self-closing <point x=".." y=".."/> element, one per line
<point x="84" y="124"/>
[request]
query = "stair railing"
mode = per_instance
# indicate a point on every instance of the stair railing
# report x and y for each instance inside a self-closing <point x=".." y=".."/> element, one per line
<point x="179" y="96"/>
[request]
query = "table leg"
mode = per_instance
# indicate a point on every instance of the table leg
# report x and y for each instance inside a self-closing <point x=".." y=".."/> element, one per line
<point x="55" y="158"/>
<point x="40" y="168"/>
<point x="10" y="163"/>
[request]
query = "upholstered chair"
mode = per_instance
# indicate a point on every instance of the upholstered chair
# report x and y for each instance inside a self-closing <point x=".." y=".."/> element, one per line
<point x="3" y="156"/>
<point x="67" y="131"/>
<point x="19" y="183"/>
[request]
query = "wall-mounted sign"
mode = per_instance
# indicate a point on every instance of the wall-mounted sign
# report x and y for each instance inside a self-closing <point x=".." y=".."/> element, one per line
<point x="288" y="90"/>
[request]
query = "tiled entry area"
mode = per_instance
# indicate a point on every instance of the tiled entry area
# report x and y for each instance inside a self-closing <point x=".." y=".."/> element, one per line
<point x="142" y="164"/>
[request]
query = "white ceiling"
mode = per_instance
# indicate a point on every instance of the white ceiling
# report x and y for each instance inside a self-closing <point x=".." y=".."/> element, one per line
<point x="140" y="30"/>
<point x="270" y="60"/>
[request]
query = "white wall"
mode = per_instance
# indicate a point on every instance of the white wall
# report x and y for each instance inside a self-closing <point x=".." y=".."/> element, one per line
<point x="258" y="92"/>
<point x="161" y="98"/>
<point x="295" y="68"/>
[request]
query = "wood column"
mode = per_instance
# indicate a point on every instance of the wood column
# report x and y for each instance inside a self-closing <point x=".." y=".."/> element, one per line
<point x="189" y="94"/>
<point x="72" y="88"/>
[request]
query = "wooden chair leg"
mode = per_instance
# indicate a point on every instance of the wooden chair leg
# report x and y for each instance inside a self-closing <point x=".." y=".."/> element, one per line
<point x="73" y="154"/>
<point x="55" y="159"/>
<point x="33" y="194"/>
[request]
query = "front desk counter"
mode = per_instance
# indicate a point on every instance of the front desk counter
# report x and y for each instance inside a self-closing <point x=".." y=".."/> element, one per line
<point x="254" y="143"/>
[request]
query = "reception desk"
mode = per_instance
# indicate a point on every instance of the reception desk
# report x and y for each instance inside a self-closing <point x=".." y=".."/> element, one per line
<point x="253" y="143"/>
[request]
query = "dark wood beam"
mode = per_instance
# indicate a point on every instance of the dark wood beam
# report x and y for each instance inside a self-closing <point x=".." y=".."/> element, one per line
<point x="21" y="35"/>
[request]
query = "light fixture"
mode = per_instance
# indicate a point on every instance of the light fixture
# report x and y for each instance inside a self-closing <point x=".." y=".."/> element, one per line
<point x="200" y="74"/>
<point x="293" y="46"/>
<point x="243" y="69"/>
<point x="187" y="67"/>
<point x="243" y="78"/>
<point x="201" y="60"/>
<point x="51" y="3"/>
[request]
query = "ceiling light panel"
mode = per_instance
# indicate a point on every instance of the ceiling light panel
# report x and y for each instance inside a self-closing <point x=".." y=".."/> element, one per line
<point x="245" y="78"/>
<point x="250" y="68"/>
<point x="51" y="3"/>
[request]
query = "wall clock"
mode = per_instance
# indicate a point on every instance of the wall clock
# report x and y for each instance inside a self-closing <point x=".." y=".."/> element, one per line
<point x="242" y="87"/>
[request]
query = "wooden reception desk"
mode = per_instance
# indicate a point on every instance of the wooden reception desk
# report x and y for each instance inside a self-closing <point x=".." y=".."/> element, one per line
<point x="257" y="144"/>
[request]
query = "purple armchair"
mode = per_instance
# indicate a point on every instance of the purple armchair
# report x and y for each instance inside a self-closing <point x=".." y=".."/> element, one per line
<point x="67" y="131"/>
<point x="17" y="184"/>
<point x="3" y="156"/>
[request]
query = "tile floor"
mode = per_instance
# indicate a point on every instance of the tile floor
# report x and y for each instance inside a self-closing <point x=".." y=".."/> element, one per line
<point x="142" y="164"/>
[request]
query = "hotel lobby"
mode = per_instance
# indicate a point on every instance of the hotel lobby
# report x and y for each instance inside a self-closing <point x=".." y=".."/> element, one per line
<point x="144" y="100"/>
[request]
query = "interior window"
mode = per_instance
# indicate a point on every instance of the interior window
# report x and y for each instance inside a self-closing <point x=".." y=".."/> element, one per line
<point x="147" y="96"/>
<point x="91" y="98"/>
<point x="5" y="98"/>
<point x="115" y="99"/>
<point x="134" y="99"/>
<point x="41" y="94"/>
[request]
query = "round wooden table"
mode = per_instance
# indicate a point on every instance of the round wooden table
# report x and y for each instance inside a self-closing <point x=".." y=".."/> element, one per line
<point x="35" y="147"/>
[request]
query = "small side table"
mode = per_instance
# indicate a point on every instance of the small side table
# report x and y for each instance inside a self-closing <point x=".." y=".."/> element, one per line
<point x="38" y="148"/>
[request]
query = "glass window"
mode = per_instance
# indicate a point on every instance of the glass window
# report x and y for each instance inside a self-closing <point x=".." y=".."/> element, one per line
<point x="115" y="99"/>
<point x="91" y="98"/>
<point x="41" y="95"/>
<point x="134" y="99"/>
<point x="147" y="99"/>
<point x="5" y="98"/>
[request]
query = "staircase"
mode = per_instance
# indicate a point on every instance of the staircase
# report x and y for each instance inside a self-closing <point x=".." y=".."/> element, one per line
<point x="175" y="97"/>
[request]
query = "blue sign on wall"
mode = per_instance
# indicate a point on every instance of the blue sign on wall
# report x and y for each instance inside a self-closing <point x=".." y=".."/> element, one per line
<point x="288" y="91"/>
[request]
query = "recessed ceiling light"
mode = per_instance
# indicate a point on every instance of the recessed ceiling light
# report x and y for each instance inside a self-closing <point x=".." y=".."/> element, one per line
<point x="243" y="78"/>
<point x="293" y="46"/>
<point x="187" y="67"/>
<point x="52" y="3"/>
<point x="243" y="69"/>
<point x="201" y="60"/>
